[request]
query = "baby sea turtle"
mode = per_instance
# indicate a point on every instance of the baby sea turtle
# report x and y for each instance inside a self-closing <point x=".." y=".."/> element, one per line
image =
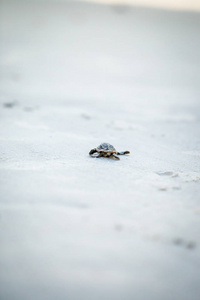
<point x="106" y="150"/>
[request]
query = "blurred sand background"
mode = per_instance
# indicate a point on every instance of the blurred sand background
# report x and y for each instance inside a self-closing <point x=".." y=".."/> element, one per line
<point x="73" y="75"/>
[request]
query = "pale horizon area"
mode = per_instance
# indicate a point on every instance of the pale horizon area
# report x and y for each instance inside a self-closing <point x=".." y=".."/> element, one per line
<point x="192" y="5"/>
<point x="167" y="4"/>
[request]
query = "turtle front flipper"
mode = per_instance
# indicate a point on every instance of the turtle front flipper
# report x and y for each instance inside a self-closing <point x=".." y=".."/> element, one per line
<point x="92" y="151"/>
<point x="123" y="153"/>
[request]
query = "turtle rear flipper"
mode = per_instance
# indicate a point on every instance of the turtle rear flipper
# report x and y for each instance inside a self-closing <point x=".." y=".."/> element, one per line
<point x="123" y="153"/>
<point x="114" y="157"/>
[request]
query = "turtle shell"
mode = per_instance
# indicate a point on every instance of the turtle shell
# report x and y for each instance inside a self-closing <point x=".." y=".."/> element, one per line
<point x="105" y="147"/>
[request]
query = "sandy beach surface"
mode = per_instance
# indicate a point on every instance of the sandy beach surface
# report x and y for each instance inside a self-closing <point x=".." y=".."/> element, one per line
<point x="72" y="227"/>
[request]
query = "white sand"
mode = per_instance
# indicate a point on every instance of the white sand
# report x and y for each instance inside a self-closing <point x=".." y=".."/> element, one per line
<point x="76" y="228"/>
